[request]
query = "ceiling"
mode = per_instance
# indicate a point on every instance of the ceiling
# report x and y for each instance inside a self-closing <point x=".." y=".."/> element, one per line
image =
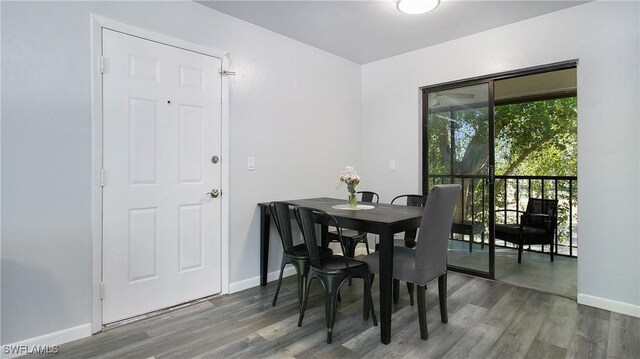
<point x="367" y="31"/>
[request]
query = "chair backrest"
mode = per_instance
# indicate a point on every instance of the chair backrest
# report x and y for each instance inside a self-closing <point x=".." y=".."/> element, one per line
<point x="281" y="213"/>
<point x="307" y="219"/>
<point x="412" y="200"/>
<point x="542" y="206"/>
<point x="369" y="197"/>
<point x="431" y="250"/>
<point x="547" y="207"/>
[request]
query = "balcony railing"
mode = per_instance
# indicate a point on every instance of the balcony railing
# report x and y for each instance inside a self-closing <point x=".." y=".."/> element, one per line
<point x="513" y="192"/>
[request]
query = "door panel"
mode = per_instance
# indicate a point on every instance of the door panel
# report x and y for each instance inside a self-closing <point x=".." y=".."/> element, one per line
<point x="161" y="232"/>
<point x="459" y="149"/>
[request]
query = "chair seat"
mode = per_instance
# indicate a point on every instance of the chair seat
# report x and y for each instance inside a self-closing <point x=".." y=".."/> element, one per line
<point x="404" y="266"/>
<point x="347" y="233"/>
<point x="514" y="229"/>
<point x="337" y="264"/>
<point x="301" y="251"/>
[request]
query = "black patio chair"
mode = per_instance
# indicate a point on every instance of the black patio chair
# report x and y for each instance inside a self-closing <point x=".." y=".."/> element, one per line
<point x="537" y="225"/>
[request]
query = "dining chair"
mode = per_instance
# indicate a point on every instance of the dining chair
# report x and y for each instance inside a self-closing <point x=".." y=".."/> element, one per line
<point x="331" y="271"/>
<point x="409" y="240"/>
<point x="429" y="259"/>
<point x="296" y="255"/>
<point x="350" y="237"/>
<point x="536" y="225"/>
<point x="415" y="200"/>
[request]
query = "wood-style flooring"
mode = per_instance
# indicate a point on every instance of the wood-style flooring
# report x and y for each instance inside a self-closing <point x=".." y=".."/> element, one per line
<point x="487" y="319"/>
<point x="536" y="270"/>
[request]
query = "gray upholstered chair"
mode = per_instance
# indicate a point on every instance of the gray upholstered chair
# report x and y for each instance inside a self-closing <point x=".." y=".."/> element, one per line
<point x="409" y="240"/>
<point x="429" y="259"/>
<point x="412" y="200"/>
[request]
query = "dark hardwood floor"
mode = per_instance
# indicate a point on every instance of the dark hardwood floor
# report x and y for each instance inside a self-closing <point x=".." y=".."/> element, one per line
<point x="487" y="319"/>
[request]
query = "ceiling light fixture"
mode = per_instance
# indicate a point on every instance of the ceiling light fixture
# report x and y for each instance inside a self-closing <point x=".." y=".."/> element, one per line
<point x="414" y="7"/>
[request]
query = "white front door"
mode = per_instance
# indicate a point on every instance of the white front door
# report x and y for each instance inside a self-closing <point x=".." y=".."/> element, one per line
<point x="161" y="230"/>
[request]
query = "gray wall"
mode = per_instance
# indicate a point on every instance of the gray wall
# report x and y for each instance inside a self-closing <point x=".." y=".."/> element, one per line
<point x="287" y="103"/>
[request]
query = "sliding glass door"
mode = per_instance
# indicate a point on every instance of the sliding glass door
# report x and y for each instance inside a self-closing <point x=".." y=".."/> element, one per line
<point x="458" y="148"/>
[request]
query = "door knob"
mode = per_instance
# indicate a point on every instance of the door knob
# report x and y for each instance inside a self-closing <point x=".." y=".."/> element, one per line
<point x="214" y="193"/>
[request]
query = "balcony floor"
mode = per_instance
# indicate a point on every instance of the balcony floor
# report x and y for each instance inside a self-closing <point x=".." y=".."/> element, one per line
<point x="536" y="270"/>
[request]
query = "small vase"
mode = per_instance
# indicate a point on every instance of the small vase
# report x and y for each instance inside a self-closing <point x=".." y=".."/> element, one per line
<point x="353" y="201"/>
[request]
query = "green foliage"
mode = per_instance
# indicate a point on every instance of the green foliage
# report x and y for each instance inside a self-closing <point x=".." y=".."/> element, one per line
<point x="537" y="138"/>
<point x="531" y="139"/>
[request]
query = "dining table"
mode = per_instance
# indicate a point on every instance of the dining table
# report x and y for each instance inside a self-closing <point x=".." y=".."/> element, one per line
<point x="385" y="220"/>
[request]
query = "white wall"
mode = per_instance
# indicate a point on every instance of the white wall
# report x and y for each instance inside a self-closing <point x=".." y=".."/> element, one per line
<point x="292" y="107"/>
<point x="604" y="36"/>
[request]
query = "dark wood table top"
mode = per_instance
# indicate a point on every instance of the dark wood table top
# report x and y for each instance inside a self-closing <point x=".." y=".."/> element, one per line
<point x="395" y="217"/>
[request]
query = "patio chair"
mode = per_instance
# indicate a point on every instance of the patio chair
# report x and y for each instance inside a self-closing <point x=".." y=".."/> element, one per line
<point x="537" y="225"/>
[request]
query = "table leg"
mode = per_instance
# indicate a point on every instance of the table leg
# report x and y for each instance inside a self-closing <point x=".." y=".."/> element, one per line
<point x="386" y="279"/>
<point x="265" y="225"/>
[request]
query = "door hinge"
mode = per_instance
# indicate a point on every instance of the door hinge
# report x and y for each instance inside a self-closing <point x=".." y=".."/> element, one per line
<point x="102" y="64"/>
<point x="101" y="290"/>
<point x="102" y="177"/>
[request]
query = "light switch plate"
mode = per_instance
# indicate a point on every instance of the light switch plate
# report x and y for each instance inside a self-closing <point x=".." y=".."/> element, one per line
<point x="251" y="163"/>
<point x="392" y="165"/>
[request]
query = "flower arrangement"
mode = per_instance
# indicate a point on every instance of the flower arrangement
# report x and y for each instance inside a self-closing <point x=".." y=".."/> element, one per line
<point x="349" y="177"/>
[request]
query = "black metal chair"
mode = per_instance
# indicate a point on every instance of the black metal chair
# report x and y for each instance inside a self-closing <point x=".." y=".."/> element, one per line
<point x="350" y="237"/>
<point x="537" y="225"/>
<point x="409" y="240"/>
<point x="331" y="271"/>
<point x="429" y="259"/>
<point x="414" y="200"/>
<point x="296" y="255"/>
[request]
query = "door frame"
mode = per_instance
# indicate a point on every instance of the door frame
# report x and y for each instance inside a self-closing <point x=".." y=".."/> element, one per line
<point x="98" y="23"/>
<point x="490" y="272"/>
<point x="490" y="78"/>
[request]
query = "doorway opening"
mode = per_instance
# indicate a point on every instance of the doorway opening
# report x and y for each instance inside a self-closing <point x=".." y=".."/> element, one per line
<point x="509" y="140"/>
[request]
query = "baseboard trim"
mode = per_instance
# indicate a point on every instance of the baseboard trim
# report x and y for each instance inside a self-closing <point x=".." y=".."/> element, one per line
<point x="608" y="304"/>
<point x="51" y="339"/>
<point x="255" y="281"/>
